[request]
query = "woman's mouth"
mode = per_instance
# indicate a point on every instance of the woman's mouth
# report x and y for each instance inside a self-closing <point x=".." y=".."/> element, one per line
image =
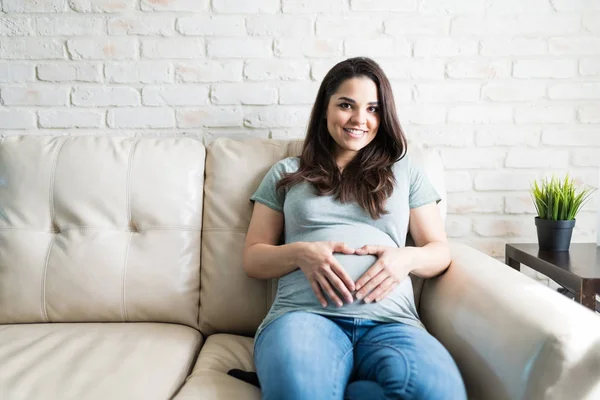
<point x="355" y="133"/>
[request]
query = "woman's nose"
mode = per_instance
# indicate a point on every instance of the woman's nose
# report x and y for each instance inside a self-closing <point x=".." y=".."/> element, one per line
<point x="359" y="117"/>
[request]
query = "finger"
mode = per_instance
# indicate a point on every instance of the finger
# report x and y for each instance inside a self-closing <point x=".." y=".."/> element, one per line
<point x="379" y="290"/>
<point x="329" y="290"/>
<point x="369" y="249"/>
<point x="339" y="285"/>
<point x="387" y="292"/>
<point x="367" y="276"/>
<point x="341" y="247"/>
<point x="317" y="289"/>
<point x="342" y="274"/>
<point x="371" y="285"/>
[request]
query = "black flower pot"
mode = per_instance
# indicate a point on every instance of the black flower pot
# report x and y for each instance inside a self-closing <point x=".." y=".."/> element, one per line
<point x="554" y="235"/>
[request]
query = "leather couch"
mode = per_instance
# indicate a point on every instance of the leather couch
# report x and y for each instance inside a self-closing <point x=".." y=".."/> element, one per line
<point x="121" y="278"/>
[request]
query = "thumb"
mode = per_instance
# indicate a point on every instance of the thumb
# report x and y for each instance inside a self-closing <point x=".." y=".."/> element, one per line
<point x="369" y="249"/>
<point x="341" y="247"/>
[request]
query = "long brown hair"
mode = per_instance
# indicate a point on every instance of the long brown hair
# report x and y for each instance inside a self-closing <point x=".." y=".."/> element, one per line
<point x="368" y="178"/>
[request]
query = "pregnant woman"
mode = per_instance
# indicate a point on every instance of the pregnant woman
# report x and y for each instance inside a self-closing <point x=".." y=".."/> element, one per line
<point x="344" y="323"/>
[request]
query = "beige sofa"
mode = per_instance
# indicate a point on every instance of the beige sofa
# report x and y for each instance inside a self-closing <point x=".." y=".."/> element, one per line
<point x="121" y="278"/>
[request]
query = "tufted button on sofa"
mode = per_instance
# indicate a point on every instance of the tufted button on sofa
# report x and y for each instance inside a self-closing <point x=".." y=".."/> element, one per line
<point x="121" y="278"/>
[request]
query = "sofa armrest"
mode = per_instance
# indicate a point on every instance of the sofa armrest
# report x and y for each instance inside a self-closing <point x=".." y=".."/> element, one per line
<point x="511" y="337"/>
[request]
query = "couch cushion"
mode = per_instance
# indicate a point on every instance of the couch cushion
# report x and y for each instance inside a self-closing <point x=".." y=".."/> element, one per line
<point x="230" y="302"/>
<point x="98" y="229"/>
<point x="95" y="361"/>
<point x="209" y="379"/>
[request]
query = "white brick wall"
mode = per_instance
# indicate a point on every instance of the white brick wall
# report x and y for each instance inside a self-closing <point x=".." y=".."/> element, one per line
<point x="506" y="90"/>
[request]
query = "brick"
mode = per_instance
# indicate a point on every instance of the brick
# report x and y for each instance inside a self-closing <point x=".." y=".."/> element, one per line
<point x="287" y="134"/>
<point x="210" y="71"/>
<point x="313" y="6"/>
<point x="209" y="117"/>
<point x="35" y="95"/>
<point x="589" y="114"/>
<point x="103" y="6"/>
<point x="70" y="118"/>
<point x="141" y="118"/>
<point x="504" y="180"/>
<point x="402" y="93"/>
<point x="102" y="48"/>
<point x="591" y="23"/>
<point x="537" y="158"/>
<point x="458" y="226"/>
<point x="447" y="92"/>
<point x="211" y="26"/>
<point x="425" y="114"/>
<point x="329" y="26"/>
<point x="39" y="6"/>
<point x="540" y="7"/>
<point x="576" y="5"/>
<point x="16" y="26"/>
<point x="384" y="5"/>
<point x="480" y="114"/>
<point x="503" y="226"/>
<point x="469" y="202"/>
<point x="473" y="158"/>
<point x="585" y="157"/>
<point x="298" y="92"/>
<point x="61" y="72"/>
<point x="174" y="5"/>
<point x="279" y="25"/>
<point x="280" y="117"/>
<point x="444" y="47"/>
<point x="240" y="48"/>
<point x="544" y="114"/>
<point x="517" y="25"/>
<point x="31" y="48"/>
<point x="142" y="26"/>
<point x="417" y="25"/>
<point x="442" y="135"/>
<point x="15" y="118"/>
<point x="102" y="96"/>
<point x="245" y="7"/>
<point x="508" y="136"/>
<point x="310" y="47"/>
<point x="545" y="68"/>
<point x="379" y="47"/>
<point x="409" y="69"/>
<point x="16" y="72"/>
<point x="458" y="181"/>
<point x="571" y="136"/>
<point x="139" y="72"/>
<point x="172" y="48"/>
<point x="320" y="68"/>
<point x="514" y="91"/>
<point x="589" y="67"/>
<point x="574" y="46"/>
<point x="273" y="69"/>
<point x="70" y="26"/>
<point x="479" y="68"/>
<point x="574" y="91"/>
<point x="520" y="203"/>
<point x="452" y="7"/>
<point x="243" y="93"/>
<point x="175" y="95"/>
<point x="514" y="47"/>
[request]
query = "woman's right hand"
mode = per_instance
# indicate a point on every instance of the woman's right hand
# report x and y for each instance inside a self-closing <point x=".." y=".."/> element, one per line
<point x="324" y="272"/>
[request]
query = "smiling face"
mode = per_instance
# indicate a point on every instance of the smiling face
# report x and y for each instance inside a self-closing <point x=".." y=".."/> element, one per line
<point x="353" y="117"/>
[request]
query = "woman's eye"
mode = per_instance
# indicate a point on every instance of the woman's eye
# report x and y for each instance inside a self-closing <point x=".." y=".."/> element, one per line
<point x="373" y="109"/>
<point x="345" y="106"/>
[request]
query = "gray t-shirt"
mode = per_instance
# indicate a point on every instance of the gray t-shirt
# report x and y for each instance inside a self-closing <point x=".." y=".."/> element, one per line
<point x="309" y="217"/>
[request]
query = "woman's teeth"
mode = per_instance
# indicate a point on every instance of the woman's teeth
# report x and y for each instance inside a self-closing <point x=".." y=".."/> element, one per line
<point x="355" y="132"/>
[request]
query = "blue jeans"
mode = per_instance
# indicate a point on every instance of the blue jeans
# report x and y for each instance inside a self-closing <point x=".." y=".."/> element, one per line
<point x="307" y="356"/>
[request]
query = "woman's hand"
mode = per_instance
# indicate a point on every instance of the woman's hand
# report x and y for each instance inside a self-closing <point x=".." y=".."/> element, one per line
<point x="324" y="272"/>
<point x="392" y="266"/>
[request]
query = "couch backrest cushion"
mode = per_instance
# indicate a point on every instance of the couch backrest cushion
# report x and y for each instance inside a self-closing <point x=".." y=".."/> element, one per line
<point x="230" y="302"/>
<point x="100" y="229"/>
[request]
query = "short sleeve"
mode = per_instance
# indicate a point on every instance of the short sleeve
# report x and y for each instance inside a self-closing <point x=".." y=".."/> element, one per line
<point x="422" y="191"/>
<point x="266" y="193"/>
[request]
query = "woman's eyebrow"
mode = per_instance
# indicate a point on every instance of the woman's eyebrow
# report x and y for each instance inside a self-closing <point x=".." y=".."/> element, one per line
<point x="349" y="100"/>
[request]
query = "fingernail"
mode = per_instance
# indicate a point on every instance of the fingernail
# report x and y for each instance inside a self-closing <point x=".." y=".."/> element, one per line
<point x="367" y="301"/>
<point x="340" y="304"/>
<point x="359" y="296"/>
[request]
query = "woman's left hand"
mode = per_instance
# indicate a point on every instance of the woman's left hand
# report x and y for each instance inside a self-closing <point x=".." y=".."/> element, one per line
<point x="392" y="266"/>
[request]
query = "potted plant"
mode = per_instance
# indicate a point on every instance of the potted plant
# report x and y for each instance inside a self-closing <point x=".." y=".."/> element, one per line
<point x="557" y="203"/>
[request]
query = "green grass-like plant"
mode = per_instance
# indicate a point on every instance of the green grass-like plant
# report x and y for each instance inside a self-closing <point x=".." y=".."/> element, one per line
<point x="557" y="199"/>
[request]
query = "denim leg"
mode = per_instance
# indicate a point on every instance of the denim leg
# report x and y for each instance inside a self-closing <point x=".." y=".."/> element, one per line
<point x="303" y="356"/>
<point x="407" y="363"/>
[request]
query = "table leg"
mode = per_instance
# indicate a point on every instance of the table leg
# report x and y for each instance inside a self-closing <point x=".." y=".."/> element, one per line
<point x="587" y="294"/>
<point x="512" y="263"/>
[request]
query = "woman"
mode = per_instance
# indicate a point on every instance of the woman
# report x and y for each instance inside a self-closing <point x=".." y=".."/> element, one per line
<point x="344" y="323"/>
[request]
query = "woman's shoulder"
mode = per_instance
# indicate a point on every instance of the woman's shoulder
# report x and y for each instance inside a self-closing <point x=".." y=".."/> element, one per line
<point x="287" y="165"/>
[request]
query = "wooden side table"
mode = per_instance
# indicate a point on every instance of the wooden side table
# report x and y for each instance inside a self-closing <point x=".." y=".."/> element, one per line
<point x="578" y="269"/>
